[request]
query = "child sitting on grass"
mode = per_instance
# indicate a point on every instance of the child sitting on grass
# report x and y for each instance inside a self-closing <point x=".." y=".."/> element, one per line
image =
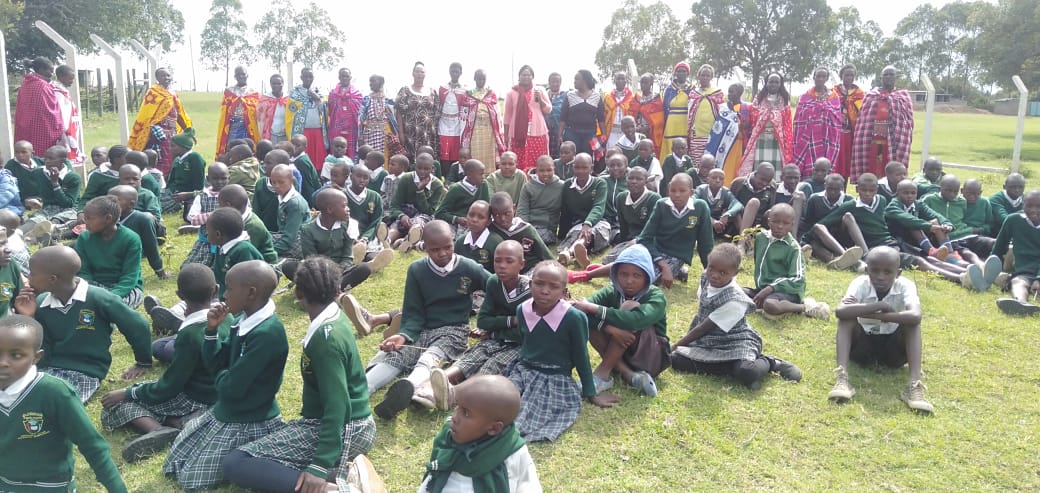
<point x="677" y="224"/>
<point x="42" y="420"/>
<point x="335" y="426"/>
<point x="329" y="235"/>
<point x="507" y="178"/>
<point x="817" y="181"/>
<point x="479" y="447"/>
<point x="757" y="193"/>
<point x="895" y="172"/>
<point x="634" y="208"/>
<point x="911" y="221"/>
<point x="104" y="177"/>
<point x="416" y="198"/>
<point x="337" y="155"/>
<point x="188" y="173"/>
<point x="678" y="162"/>
<point x="879" y="323"/>
<point x="582" y="225"/>
<point x="927" y="181"/>
<point x="818" y="237"/>
<point x="236" y="197"/>
<point x="720" y="340"/>
<point x="455" y="174"/>
<point x="978" y="217"/>
<point x="205" y="202"/>
<point x="724" y="207"/>
<point x="79" y="320"/>
<point x="455" y="205"/>
<point x="308" y="172"/>
<point x="59" y="191"/>
<point x="18" y="250"/>
<point x="374" y="161"/>
<point x="1022" y="232"/>
<point x="649" y="162"/>
<point x="142" y="224"/>
<point x="293" y="212"/>
<point x="563" y="167"/>
<point x="152" y="178"/>
<point x="780" y="270"/>
<point x="366" y="207"/>
<point x="227" y="233"/>
<point x="159" y="410"/>
<point x="949" y="204"/>
<point x="248" y="364"/>
<point x="541" y="201"/>
<point x="1009" y="200"/>
<point x="111" y="252"/>
<point x="478" y="243"/>
<point x="147" y="202"/>
<point x="702" y="173"/>
<point x="510" y="227"/>
<point x="629" y="138"/>
<point x="243" y="167"/>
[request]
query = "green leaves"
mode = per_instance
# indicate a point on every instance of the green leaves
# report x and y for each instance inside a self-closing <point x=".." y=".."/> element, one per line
<point x="319" y="45"/>
<point x="649" y="34"/>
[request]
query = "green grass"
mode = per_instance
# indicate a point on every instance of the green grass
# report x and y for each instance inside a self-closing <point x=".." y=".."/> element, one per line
<point x="705" y="433"/>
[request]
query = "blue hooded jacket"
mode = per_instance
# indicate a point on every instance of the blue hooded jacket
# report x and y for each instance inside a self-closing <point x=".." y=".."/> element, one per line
<point x="638" y="256"/>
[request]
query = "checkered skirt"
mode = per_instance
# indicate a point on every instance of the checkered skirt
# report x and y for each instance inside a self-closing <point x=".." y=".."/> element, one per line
<point x="448" y="342"/>
<point x="548" y="236"/>
<point x="84" y="385"/>
<point x="549" y="402"/>
<point x="127" y="411"/>
<point x="488" y="357"/>
<point x="600" y="237"/>
<point x="294" y="445"/>
<point x="196" y="457"/>
<point x="201" y="253"/>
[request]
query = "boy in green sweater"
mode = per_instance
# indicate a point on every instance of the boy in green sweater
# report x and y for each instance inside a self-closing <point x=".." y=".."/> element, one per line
<point x="949" y="204"/>
<point x="104" y="177"/>
<point x="79" y="320"/>
<point x="330" y="235"/>
<point x="22" y="166"/>
<point x="978" y="216"/>
<point x="478" y="243"/>
<point x="725" y="209"/>
<point x="927" y="181"/>
<point x="374" y="162"/>
<point x="910" y="221"/>
<point x="309" y="174"/>
<point x="509" y="227"/>
<point x="895" y="172"/>
<point x="434" y="323"/>
<point x="817" y="236"/>
<point x="293" y="211"/>
<point x="541" y="201"/>
<point x="131" y="174"/>
<point x="649" y="162"/>
<point x="757" y="193"/>
<point x="416" y="197"/>
<point x="188" y="173"/>
<point x="158" y="410"/>
<point x="58" y="189"/>
<point x="42" y="420"/>
<point x="817" y="180"/>
<point x="111" y="252"/>
<point x="335" y="425"/>
<point x="678" y="162"/>
<point x="10" y="277"/>
<point x="677" y="224"/>
<point x="634" y="206"/>
<point x="507" y="178"/>
<point x="142" y="224"/>
<point x="1009" y="200"/>
<point x="265" y="200"/>
<point x="1021" y="233"/>
<point x="461" y="195"/>
<point x="582" y="226"/>
<point x="564" y="166"/>
<point x="366" y="207"/>
<point x="227" y="234"/>
<point x="248" y="365"/>
<point x="236" y="197"/>
<point x="614" y="176"/>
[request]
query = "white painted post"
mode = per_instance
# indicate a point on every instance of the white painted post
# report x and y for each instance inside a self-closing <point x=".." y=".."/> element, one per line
<point x="150" y="60"/>
<point x="70" y="60"/>
<point x="6" y="137"/>
<point x="1023" y="101"/>
<point x="929" y="109"/>
<point x="120" y="94"/>
<point x="289" y="76"/>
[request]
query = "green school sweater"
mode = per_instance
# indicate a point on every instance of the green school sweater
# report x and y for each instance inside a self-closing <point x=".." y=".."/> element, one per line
<point x="98" y="184"/>
<point x="1003" y="207"/>
<point x="244" y="173"/>
<point x="809" y="187"/>
<point x="672" y="166"/>
<point x="902" y="220"/>
<point x="541" y="203"/>
<point x="871" y="220"/>
<point x="497" y="315"/>
<point x="248" y="370"/>
<point x="979" y="217"/>
<point x="534" y="247"/>
<point x="407" y="194"/>
<point x="36" y="436"/>
<point x="241" y="251"/>
<point x="265" y="204"/>
<point x="1024" y="238"/>
<point x="143" y="224"/>
<point x="10" y="285"/>
<point x="566" y="348"/>
<point x="483" y="255"/>
<point x="583" y="206"/>
<point x="615" y="187"/>
<point x="433" y="300"/>
<point x="632" y="218"/>
<point x="766" y="196"/>
<point x="924" y="185"/>
<point x="953" y="211"/>
<point x="186" y="373"/>
<point x="367" y="210"/>
<point x="188" y="173"/>
<point x="334" y="243"/>
<point x="148" y="203"/>
<point x="726" y="204"/>
<point x="291" y="215"/>
<point x="375" y="181"/>
<point x="512" y="185"/>
<point x="311" y="181"/>
<point x="65" y="195"/>
<point x="114" y="264"/>
<point x="778" y="263"/>
<point x="27" y="187"/>
<point x="563" y="171"/>
<point x="150" y="183"/>
<point x="260" y="237"/>
<point x="816" y="207"/>
<point x="457" y="200"/>
<point x="79" y="335"/>
<point x="334" y="387"/>
<point x="885" y="190"/>
<point x="675" y="235"/>
<point x="651" y="312"/>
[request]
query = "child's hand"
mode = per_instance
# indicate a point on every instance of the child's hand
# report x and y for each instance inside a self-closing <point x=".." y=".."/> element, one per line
<point x="666" y="276"/>
<point x="392" y="343"/>
<point x="673" y="348"/>
<point x="134" y="372"/>
<point x="764" y="293"/>
<point x="604" y="400"/>
<point x="33" y="203"/>
<point x="25" y="302"/>
<point x="183" y="196"/>
<point x="462" y="222"/>
<point x="586" y="234"/>
<point x="883" y="307"/>
<point x="112" y="398"/>
<point x="718" y="226"/>
<point x="623" y="338"/>
<point x="309" y="483"/>
<point x="216" y="315"/>
<point x="424" y="181"/>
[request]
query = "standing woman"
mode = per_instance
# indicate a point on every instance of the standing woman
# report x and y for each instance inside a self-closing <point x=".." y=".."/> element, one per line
<point x="416" y="107"/>
<point x="305" y="113"/>
<point x="557" y="96"/>
<point x="731" y="132"/>
<point x="850" y="98"/>
<point x="526" y="132"/>
<point x="650" y="113"/>
<point x="770" y="139"/>
<point x="344" y="112"/>
<point x="705" y="102"/>
<point x="37" y="115"/>
<point x="676" y="108"/>
<point x="379" y="128"/>
<point x="482" y="134"/>
<point x="160" y="118"/>
<point x="582" y="113"/>
<point x="817" y="124"/>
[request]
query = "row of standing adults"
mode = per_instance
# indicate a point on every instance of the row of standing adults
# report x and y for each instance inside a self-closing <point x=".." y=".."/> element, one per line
<point x="44" y="113"/>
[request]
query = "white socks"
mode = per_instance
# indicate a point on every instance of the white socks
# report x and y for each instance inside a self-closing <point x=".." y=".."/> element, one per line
<point x="381" y="374"/>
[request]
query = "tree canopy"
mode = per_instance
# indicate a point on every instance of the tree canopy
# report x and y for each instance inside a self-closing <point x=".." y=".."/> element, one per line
<point x="320" y="45"/>
<point x="224" y="37"/>
<point x="649" y="34"/>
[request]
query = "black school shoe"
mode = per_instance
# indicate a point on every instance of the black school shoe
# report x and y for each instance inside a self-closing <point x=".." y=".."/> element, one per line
<point x="397" y="399"/>
<point x="787" y="370"/>
<point x="148" y="444"/>
<point x="1011" y="306"/>
<point x="164" y="321"/>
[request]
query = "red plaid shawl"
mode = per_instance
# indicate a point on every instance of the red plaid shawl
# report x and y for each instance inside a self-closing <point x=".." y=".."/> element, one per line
<point x="37" y="115"/>
<point x="762" y="113"/>
<point x="265" y="113"/>
<point x="490" y="101"/>
<point x="900" y="131"/>
<point x="344" y="115"/>
<point x="817" y="130"/>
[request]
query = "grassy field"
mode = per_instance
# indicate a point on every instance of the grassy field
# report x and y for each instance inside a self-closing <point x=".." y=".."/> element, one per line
<point x="705" y="433"/>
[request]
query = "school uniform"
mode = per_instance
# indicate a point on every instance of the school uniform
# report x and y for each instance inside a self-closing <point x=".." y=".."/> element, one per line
<point x="10" y="286"/>
<point x="615" y="187"/>
<point x="563" y="171"/>
<point x="455" y="174"/>
<point x="530" y="240"/>
<point x="902" y="219"/>
<point x="513" y="185"/>
<point x="671" y="233"/>
<point x="816" y="207"/>
<point x="1003" y="207"/>
<point x="809" y="187"/>
<point x="229" y="254"/>
<point x="59" y="202"/>
<point x="143" y="224"/>
<point x="653" y="172"/>
<point x="114" y="264"/>
<point x="540" y="204"/>
<point x="674" y="165"/>
<point x="153" y="181"/>
<point x="886" y="189"/>
<point x="367" y="209"/>
<point x="244" y="173"/>
<point x="79" y="334"/>
<point x="148" y="203"/>
<point x="479" y="248"/>
<point x="99" y="182"/>
<point x="259" y="236"/>
<point x="377" y="179"/>
<point x="409" y="200"/>
<point x="457" y="200"/>
<point x="779" y="263"/>
<point x="27" y="188"/>
<point x="584" y="205"/>
<point x="497" y="317"/>
<point x="880" y="342"/>
<point x="198" y="214"/>
<point x="632" y="216"/>
<point x="337" y="243"/>
<point x="869" y="217"/>
<point x="783" y="195"/>
<point x="743" y="191"/>
<point x="308" y="175"/>
<point x="628" y="146"/>
<point x="978" y="217"/>
<point x="500" y="463"/>
<point x="265" y="204"/>
<point x="248" y="364"/>
<point x="924" y="185"/>
<point x="722" y="203"/>
<point x="1024" y="239"/>
<point x="293" y="212"/>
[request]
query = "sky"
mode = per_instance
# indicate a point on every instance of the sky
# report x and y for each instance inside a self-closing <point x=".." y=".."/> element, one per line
<point x="387" y="37"/>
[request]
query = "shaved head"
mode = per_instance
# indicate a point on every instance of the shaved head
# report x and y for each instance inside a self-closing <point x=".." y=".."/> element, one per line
<point x="494" y="395"/>
<point x="59" y="261"/>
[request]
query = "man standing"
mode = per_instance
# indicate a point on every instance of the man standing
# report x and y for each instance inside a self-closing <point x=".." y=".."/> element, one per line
<point x="617" y="104"/>
<point x="449" y="124"/>
<point x="69" y="113"/>
<point x="305" y="114"/>
<point x="884" y="129"/>
<point x="344" y="112"/>
<point x="161" y="117"/>
<point x="37" y="116"/>
<point x="238" y="112"/>
<point x="270" y="112"/>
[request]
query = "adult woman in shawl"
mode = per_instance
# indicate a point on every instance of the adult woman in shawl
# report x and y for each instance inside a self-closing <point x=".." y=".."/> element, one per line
<point x="730" y="132"/>
<point x="70" y="117"/>
<point x="160" y="118"/>
<point x="344" y="112"/>
<point x="581" y="116"/>
<point x="450" y="120"/>
<point x="482" y="134"/>
<point x="526" y="132"/>
<point x="850" y="97"/>
<point x="676" y="108"/>
<point x="238" y="112"/>
<point x="379" y="128"/>
<point x="705" y="102"/>
<point x="270" y="112"/>
<point x="416" y="107"/>
<point x="37" y="115"/>
<point x="305" y="113"/>
<point x="557" y="96"/>
<point x="617" y="104"/>
<point x="817" y="124"/>
<point x="885" y="128"/>
<point x="650" y="113"/>
<point x="770" y="139"/>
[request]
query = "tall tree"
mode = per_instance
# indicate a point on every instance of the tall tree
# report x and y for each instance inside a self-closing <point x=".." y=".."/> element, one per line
<point x="649" y="34"/>
<point x="320" y="45"/>
<point x="224" y="37"/>
<point x="855" y="42"/>
<point x="782" y="35"/>
<point x="1010" y="44"/>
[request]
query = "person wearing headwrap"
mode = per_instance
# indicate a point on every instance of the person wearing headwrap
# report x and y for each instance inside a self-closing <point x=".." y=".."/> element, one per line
<point x="161" y="116"/>
<point x="676" y="107"/>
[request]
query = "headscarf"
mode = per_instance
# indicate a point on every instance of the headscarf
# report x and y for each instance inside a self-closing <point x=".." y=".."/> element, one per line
<point x="681" y="64"/>
<point x="185" y="139"/>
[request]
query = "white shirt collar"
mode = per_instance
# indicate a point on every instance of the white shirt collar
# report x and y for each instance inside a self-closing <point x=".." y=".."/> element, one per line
<point x="469" y="187"/>
<point x="194" y="318"/>
<point x="712" y="291"/>
<point x="415" y="176"/>
<point x="292" y="192"/>
<point x="329" y="314"/>
<point x="9" y="395"/>
<point x="1016" y="202"/>
<point x="630" y="202"/>
<point x="249" y="323"/>
<point x="226" y="247"/>
<point x="245" y="215"/>
<point x="80" y="295"/>
<point x="688" y="206"/>
<point x="357" y="199"/>
<point x="185" y="154"/>
<point x="588" y="183"/>
<point x="454" y="262"/>
<point x="335" y="225"/>
<point x="871" y="206"/>
<point x="30" y="166"/>
<point x="782" y="189"/>
<point x="479" y="241"/>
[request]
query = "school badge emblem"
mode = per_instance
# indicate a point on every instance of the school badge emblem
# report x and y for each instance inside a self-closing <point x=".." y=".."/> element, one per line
<point x="693" y="222"/>
<point x="33" y="424"/>
<point x="464" y="284"/>
<point x="483" y="256"/>
<point x="371" y="207"/>
<point x="526" y="243"/>
<point x="86" y="320"/>
<point x="6" y="291"/>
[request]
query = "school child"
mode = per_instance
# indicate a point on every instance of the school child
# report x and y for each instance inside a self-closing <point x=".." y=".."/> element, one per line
<point x="455" y="205"/>
<point x="702" y="173"/>
<point x="817" y="180"/>
<point x="59" y="190"/>
<point x="927" y="181"/>
<point x="541" y="201"/>
<point x="79" y="318"/>
<point x="478" y="242"/>
<point x="1021" y="231"/>
<point x="22" y="166"/>
<point x="160" y="409"/>
<point x="305" y="166"/>
<point x="249" y="364"/>
<point x="205" y="203"/>
<point x="339" y="177"/>
<point x="374" y="161"/>
<point x="895" y="172"/>
<point x="581" y="221"/>
<point x="227" y="234"/>
<point x="949" y="204"/>
<point x="337" y="155"/>
<point x="911" y="221"/>
<point x="1007" y="201"/>
<point x="454" y="174"/>
<point x="98" y="155"/>
<point x="506" y="179"/>
<point x="978" y="216"/>
<point x="677" y="224"/>
<point x="416" y="198"/>
<point x="335" y="425"/>
<point x="42" y="420"/>
<point x="438" y="170"/>
<point x="152" y="178"/>
<point x="614" y="177"/>
<point x="265" y="200"/>
<point x="629" y="324"/>
<point x="563" y="167"/>
<point x="677" y="162"/>
<point x="10" y="277"/>
<point x="629" y="138"/>
<point x="293" y="211"/>
<point x="104" y="177"/>
<point x="497" y="324"/>
<point x="554" y="339"/>
<point x="787" y="192"/>
<point x="510" y="227"/>
<point x="635" y="205"/>
<point x="243" y="168"/>
<point x="720" y="341"/>
<point x="19" y="251"/>
<point x="366" y="208"/>
<point x="330" y="235"/>
<point x="780" y="270"/>
<point x="479" y="447"/>
<point x="111" y="252"/>
<point x="188" y="174"/>
<point x="757" y="193"/>
<point x="435" y="317"/>
<point x="236" y="197"/>
<point x="396" y="166"/>
<point x="879" y="323"/>
<point x="147" y="202"/>
<point x="142" y="224"/>
<point x="819" y="238"/>
<point x="9" y="197"/>
<point x="649" y="162"/>
<point x="725" y="209"/>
